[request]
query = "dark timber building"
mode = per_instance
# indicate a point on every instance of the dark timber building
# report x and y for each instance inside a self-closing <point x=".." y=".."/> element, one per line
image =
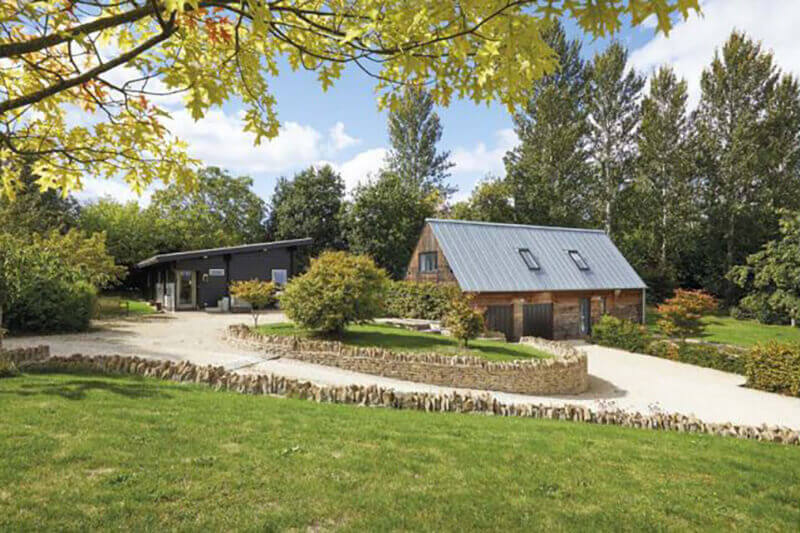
<point x="200" y="279"/>
<point x="531" y="280"/>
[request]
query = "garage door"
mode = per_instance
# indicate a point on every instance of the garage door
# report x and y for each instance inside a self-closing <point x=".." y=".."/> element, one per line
<point x="500" y="318"/>
<point x="537" y="320"/>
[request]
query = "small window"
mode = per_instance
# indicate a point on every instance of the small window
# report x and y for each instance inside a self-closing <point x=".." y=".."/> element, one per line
<point x="530" y="261"/>
<point x="428" y="262"/>
<point x="279" y="277"/>
<point x="579" y="260"/>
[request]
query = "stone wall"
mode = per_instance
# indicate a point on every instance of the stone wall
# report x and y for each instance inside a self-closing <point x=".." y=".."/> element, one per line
<point x="565" y="373"/>
<point x="23" y="355"/>
<point x="373" y="396"/>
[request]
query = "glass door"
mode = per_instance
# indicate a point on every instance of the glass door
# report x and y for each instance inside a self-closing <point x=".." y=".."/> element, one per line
<point x="186" y="289"/>
<point x="586" y="316"/>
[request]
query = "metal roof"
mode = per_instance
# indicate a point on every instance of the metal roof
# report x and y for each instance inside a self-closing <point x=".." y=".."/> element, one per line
<point x="485" y="257"/>
<point x="240" y="249"/>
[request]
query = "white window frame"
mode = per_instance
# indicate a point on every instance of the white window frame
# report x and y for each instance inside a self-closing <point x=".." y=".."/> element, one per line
<point x="285" y="276"/>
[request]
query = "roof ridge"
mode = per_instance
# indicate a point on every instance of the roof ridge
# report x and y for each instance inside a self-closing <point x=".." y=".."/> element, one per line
<point x="507" y="225"/>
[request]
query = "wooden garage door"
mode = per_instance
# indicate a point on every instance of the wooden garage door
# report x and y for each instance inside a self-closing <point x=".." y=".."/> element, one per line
<point x="537" y="320"/>
<point x="500" y="318"/>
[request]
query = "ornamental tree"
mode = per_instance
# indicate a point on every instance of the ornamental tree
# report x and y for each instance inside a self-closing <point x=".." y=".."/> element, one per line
<point x="113" y="60"/>
<point x="463" y="320"/>
<point x="680" y="315"/>
<point x="259" y="294"/>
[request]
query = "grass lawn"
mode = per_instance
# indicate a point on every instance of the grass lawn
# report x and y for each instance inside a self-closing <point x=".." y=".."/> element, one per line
<point x="403" y="340"/>
<point x="90" y="452"/>
<point x="116" y="306"/>
<point x="724" y="329"/>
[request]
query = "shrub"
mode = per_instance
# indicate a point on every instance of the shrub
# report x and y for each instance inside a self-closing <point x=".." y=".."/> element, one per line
<point x="338" y="289"/>
<point x="757" y="306"/>
<point x="680" y="315"/>
<point x="774" y="367"/>
<point x="618" y="333"/>
<point x="463" y="320"/>
<point x="429" y="301"/>
<point x="45" y="305"/>
<point x="259" y="294"/>
<point x="705" y="355"/>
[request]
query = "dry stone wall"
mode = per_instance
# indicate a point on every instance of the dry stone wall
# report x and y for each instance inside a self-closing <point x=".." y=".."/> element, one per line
<point x="565" y="373"/>
<point x="374" y="396"/>
<point x="22" y="355"/>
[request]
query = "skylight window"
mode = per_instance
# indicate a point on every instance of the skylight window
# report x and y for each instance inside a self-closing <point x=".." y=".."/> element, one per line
<point x="580" y="262"/>
<point x="530" y="261"/>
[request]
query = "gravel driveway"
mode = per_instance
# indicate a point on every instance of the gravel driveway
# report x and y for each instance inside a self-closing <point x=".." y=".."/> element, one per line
<point x="617" y="378"/>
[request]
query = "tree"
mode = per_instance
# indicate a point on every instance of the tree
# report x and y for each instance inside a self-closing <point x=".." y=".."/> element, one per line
<point x="747" y="128"/>
<point x="665" y="174"/>
<point x="259" y="294"/>
<point x="338" y="289"/>
<point x="132" y="233"/>
<point x="61" y="54"/>
<point x="36" y="211"/>
<point x="85" y="256"/>
<point x="548" y="171"/>
<point x="464" y="321"/>
<point x="309" y="205"/>
<point x="680" y="315"/>
<point x="220" y="210"/>
<point x="771" y="276"/>
<point x="491" y="201"/>
<point x="612" y="100"/>
<point x="414" y="131"/>
<point x="386" y="218"/>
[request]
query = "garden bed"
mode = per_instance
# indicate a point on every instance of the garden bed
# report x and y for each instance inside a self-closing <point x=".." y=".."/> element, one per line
<point x="557" y="368"/>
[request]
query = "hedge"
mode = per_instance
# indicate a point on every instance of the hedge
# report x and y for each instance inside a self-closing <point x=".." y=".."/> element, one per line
<point x="623" y="334"/>
<point x="775" y="367"/>
<point x="705" y="355"/>
<point x="47" y="305"/>
<point x="429" y="301"/>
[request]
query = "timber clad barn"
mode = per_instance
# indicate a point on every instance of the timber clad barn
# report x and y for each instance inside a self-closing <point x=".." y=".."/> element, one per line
<point x="200" y="279"/>
<point x="531" y="280"/>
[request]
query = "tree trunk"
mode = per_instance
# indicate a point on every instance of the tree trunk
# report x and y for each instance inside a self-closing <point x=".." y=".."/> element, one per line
<point x="729" y="252"/>
<point x="663" y="258"/>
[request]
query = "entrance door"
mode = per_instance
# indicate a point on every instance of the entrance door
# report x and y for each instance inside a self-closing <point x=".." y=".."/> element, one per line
<point x="186" y="289"/>
<point x="537" y="320"/>
<point x="500" y="318"/>
<point x="586" y="316"/>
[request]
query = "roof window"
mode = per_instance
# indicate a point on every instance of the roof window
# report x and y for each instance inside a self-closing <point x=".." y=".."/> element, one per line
<point x="580" y="262"/>
<point x="530" y="261"/>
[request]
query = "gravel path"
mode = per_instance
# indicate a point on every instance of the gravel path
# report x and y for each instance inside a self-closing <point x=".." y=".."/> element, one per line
<point x="617" y="379"/>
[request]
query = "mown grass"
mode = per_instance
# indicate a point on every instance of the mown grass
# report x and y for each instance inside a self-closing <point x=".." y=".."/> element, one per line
<point x="725" y="329"/>
<point x="82" y="452"/>
<point x="109" y="306"/>
<point x="403" y="340"/>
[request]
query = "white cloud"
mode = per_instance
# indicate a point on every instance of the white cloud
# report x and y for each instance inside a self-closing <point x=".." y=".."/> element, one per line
<point x="95" y="188"/>
<point x="219" y="139"/>
<point x="339" y="139"/>
<point x="691" y="44"/>
<point x="361" y="168"/>
<point x="483" y="160"/>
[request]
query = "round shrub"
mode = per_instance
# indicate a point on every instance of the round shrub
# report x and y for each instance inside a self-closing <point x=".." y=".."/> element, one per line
<point x="774" y="367"/>
<point x="338" y="289"/>
<point x="259" y="294"/>
<point x="618" y="333"/>
<point x="426" y="300"/>
<point x="50" y="304"/>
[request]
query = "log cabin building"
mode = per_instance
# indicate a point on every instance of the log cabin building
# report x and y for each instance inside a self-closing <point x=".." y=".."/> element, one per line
<point x="531" y="280"/>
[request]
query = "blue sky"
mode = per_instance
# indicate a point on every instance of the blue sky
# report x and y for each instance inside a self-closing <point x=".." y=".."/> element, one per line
<point x="343" y="126"/>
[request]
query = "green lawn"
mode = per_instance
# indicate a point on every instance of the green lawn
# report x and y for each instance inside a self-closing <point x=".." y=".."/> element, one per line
<point x="403" y="340"/>
<point x="82" y="452"/>
<point x="116" y="306"/>
<point x="727" y="330"/>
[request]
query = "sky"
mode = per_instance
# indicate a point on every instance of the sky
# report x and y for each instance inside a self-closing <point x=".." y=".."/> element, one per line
<point x="344" y="128"/>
